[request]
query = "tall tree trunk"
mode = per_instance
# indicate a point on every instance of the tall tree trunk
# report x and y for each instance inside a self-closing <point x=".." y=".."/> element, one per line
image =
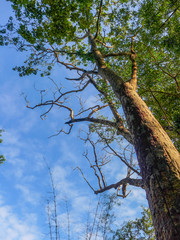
<point x="159" y="162"/>
<point x="158" y="158"/>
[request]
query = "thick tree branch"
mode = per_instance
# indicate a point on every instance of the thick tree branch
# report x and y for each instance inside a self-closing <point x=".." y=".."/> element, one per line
<point x="130" y="181"/>
<point x="105" y="72"/>
<point x="94" y="120"/>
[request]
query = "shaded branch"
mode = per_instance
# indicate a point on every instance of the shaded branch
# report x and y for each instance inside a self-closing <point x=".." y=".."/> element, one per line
<point x="164" y="113"/>
<point x="121" y="158"/>
<point x="133" y="56"/>
<point x="167" y="93"/>
<point x="169" y="17"/>
<point x="98" y="19"/>
<point x="164" y="71"/>
<point x="110" y="103"/>
<point x="116" y="54"/>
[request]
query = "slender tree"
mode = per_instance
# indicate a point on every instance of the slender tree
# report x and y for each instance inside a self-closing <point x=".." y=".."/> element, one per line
<point x="140" y="228"/>
<point x="129" y="52"/>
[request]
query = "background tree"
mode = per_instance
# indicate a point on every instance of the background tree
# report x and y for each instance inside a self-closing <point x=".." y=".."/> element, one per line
<point x="2" y="158"/>
<point x="101" y="220"/>
<point x="105" y="42"/>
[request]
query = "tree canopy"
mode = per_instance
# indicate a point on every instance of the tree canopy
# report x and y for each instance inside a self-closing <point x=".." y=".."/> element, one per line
<point x="54" y="31"/>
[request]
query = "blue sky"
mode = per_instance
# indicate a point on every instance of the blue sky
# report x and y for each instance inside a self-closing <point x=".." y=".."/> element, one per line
<point x="25" y="185"/>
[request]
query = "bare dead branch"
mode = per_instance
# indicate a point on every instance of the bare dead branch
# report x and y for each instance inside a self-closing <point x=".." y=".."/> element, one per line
<point x="95" y="171"/>
<point x="124" y="185"/>
<point x="121" y="158"/>
<point x="124" y="194"/>
<point x="94" y="120"/>
<point x="43" y="116"/>
<point x="72" y="91"/>
<point x="62" y="131"/>
<point x="104" y="44"/>
<point x="93" y="110"/>
<point x="51" y="103"/>
<point x="96" y="161"/>
<point x="110" y="103"/>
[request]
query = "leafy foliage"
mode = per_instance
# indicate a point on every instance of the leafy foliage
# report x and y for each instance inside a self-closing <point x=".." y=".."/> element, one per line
<point x="140" y="228"/>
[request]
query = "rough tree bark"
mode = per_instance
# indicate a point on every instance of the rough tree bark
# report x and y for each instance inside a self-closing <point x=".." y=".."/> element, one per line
<point x="158" y="158"/>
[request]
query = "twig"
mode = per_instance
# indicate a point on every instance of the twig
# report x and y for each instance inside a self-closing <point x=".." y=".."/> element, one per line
<point x="84" y="177"/>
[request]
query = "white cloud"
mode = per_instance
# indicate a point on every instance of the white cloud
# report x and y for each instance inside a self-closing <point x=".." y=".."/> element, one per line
<point x="13" y="228"/>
